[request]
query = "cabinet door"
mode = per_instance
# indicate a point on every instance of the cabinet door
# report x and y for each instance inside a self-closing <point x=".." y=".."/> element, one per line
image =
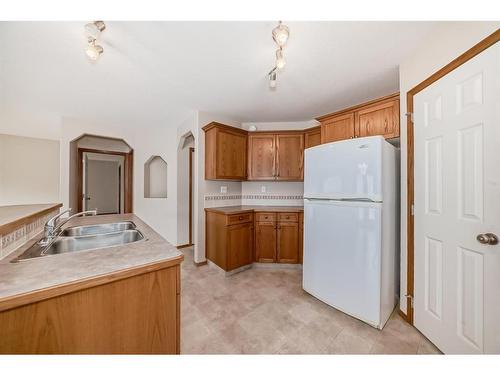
<point x="337" y="128"/>
<point x="288" y="242"/>
<point x="312" y="137"/>
<point x="240" y="245"/>
<point x="261" y="157"/>
<point x="231" y="155"/>
<point x="290" y="157"/>
<point x="265" y="242"/>
<point x="381" y="119"/>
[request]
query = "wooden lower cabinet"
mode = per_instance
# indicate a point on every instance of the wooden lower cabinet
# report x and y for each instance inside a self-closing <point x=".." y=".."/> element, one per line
<point x="233" y="240"/>
<point x="134" y="315"/>
<point x="277" y="240"/>
<point x="229" y="239"/>
<point x="239" y="245"/>
<point x="265" y="242"/>
<point x="288" y="242"/>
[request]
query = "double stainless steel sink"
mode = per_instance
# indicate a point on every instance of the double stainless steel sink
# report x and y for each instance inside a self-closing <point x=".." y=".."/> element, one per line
<point x="86" y="237"/>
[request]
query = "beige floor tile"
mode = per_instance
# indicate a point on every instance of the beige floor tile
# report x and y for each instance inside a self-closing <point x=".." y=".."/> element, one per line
<point x="266" y="311"/>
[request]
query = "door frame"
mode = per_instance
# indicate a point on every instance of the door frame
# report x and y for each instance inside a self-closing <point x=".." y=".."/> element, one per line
<point x="410" y="240"/>
<point x="127" y="170"/>
<point x="191" y="160"/>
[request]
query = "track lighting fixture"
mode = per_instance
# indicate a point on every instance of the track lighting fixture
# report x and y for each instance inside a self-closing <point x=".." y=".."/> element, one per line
<point x="93" y="31"/>
<point x="272" y="78"/>
<point x="280" y="36"/>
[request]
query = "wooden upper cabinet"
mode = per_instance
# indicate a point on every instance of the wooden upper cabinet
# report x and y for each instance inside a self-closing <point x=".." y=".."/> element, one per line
<point x="337" y="128"/>
<point x="289" y="157"/>
<point x="379" y="119"/>
<point x="225" y="152"/>
<point x="261" y="156"/>
<point x="276" y="156"/>
<point x="312" y="137"/>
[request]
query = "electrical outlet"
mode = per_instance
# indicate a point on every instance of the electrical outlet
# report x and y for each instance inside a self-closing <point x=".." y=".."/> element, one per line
<point x="223" y="189"/>
<point x="263" y="189"/>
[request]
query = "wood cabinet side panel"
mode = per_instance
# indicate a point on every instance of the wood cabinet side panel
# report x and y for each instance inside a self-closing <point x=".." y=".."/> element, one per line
<point x="216" y="239"/>
<point x="137" y="315"/>
<point x="210" y="154"/>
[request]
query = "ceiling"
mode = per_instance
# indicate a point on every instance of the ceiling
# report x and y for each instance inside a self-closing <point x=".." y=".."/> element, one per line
<point x="152" y="72"/>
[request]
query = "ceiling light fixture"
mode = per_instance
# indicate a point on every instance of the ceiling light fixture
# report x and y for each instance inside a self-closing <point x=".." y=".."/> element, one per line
<point x="272" y="78"/>
<point x="93" y="31"/>
<point x="280" y="34"/>
<point x="93" y="50"/>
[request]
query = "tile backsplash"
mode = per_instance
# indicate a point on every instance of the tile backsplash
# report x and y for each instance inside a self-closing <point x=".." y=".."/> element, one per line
<point x="214" y="200"/>
<point x="9" y="242"/>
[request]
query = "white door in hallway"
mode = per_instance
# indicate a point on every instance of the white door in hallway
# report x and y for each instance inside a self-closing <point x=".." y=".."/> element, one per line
<point x="457" y="199"/>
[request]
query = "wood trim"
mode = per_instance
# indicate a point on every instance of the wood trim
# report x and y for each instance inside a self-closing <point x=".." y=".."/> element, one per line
<point x="214" y="124"/>
<point x="128" y="176"/>
<point x="357" y="106"/>
<point x="17" y="300"/>
<point x="199" y="264"/>
<point x="402" y="314"/>
<point x="191" y="156"/>
<point x="13" y="225"/>
<point x="183" y="246"/>
<point x="277" y="132"/>
<point x="460" y="60"/>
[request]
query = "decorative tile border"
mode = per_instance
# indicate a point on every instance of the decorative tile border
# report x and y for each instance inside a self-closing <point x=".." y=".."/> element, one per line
<point x="11" y="241"/>
<point x="252" y="196"/>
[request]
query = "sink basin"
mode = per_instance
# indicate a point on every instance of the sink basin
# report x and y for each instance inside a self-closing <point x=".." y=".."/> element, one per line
<point x="84" y="230"/>
<point x="68" y="244"/>
<point x="77" y="243"/>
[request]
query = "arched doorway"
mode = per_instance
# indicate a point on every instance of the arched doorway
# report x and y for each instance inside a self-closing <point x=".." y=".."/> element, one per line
<point x="101" y="174"/>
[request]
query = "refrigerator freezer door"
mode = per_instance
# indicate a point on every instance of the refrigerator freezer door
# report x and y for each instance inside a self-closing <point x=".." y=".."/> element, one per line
<point x="350" y="169"/>
<point x="342" y="256"/>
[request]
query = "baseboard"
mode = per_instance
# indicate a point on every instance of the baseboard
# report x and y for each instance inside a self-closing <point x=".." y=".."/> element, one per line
<point x="183" y="246"/>
<point x="199" y="264"/>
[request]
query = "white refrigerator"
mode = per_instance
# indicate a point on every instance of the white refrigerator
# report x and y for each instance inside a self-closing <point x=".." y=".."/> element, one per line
<point x="351" y="227"/>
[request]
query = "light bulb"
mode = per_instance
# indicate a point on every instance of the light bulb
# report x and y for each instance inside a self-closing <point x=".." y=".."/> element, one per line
<point x="281" y="34"/>
<point x="93" y="51"/>
<point x="280" y="60"/>
<point x="272" y="79"/>
<point x="93" y="29"/>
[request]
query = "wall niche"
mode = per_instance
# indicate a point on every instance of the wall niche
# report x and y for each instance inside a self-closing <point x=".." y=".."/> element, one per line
<point x="155" y="177"/>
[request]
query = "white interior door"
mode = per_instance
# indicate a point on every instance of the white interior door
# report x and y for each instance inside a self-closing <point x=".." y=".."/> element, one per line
<point x="457" y="198"/>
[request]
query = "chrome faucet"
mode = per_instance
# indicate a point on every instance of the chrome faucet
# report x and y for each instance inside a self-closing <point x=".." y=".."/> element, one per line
<point x="52" y="227"/>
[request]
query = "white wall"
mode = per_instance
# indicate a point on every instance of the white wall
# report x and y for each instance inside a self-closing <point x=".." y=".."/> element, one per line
<point x="155" y="178"/>
<point x="446" y="42"/>
<point x="103" y="185"/>
<point x="29" y="170"/>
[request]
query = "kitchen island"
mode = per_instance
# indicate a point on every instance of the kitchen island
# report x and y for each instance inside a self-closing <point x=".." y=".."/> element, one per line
<point x="120" y="299"/>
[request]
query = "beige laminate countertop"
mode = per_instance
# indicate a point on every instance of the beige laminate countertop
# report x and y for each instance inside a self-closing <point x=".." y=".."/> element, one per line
<point x="13" y="216"/>
<point x="35" y="279"/>
<point x="228" y="210"/>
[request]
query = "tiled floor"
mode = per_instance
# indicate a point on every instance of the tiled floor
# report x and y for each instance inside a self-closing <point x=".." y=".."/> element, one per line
<point x="266" y="311"/>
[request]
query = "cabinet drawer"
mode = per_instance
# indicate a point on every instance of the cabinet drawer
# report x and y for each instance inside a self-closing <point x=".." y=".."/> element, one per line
<point x="239" y="218"/>
<point x="265" y="216"/>
<point x="289" y="216"/>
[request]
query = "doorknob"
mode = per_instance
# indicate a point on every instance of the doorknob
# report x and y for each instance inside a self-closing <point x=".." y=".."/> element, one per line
<point x="487" y="238"/>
